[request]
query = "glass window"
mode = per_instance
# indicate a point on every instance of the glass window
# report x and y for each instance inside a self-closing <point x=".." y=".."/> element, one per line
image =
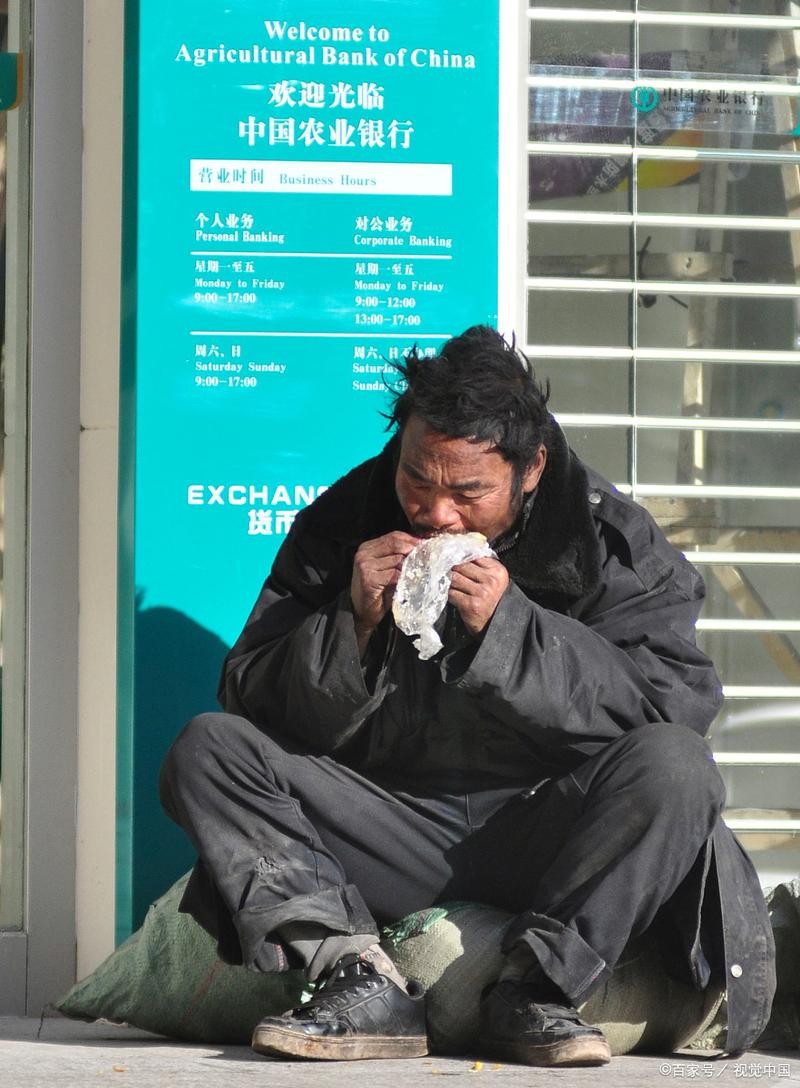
<point x="717" y="256"/>
<point x="579" y="114"/>
<point x="745" y="188"/>
<point x="749" y="590"/>
<point x="774" y="853"/>
<point x="763" y="391"/>
<point x="727" y="458"/>
<point x="605" y="5"/>
<point x="746" y="786"/>
<point x="587" y="385"/>
<point x="579" y="249"/>
<point x="729" y="256"/>
<point x="583" y="183"/>
<point x="747" y="658"/>
<point x="672" y="112"/>
<point x="749" y="521"/>
<point x="578" y="317"/>
<point x="752" y="53"/>
<point x="687" y="228"/>
<point x="706" y="84"/>
<point x="763" y="323"/>
<point x="716" y="7"/>
<point x="596" y="48"/>
<point x="605" y="448"/>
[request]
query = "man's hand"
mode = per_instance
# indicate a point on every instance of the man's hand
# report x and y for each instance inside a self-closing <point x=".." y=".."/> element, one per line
<point x="376" y="569"/>
<point x="476" y="590"/>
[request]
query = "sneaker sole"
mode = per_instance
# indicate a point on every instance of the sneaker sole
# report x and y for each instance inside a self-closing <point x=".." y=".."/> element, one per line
<point x="580" y="1051"/>
<point x="279" y="1042"/>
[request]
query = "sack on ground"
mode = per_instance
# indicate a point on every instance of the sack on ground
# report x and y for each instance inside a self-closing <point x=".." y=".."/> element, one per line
<point x="168" y="979"/>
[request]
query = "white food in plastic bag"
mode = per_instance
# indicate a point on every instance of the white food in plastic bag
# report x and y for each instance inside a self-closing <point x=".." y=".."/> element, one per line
<point x="424" y="583"/>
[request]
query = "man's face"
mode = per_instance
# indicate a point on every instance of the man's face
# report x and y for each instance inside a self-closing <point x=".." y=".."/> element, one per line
<point x="453" y="485"/>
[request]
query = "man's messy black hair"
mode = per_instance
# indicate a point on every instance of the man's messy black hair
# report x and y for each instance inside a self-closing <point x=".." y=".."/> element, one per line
<point x="479" y="387"/>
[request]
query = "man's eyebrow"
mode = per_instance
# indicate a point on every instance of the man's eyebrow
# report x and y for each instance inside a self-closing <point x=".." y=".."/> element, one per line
<point x="467" y="485"/>
<point x="470" y="485"/>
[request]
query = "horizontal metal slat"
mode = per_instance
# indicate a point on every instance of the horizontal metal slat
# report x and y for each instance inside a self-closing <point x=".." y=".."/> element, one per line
<point x="664" y="287"/>
<point x="761" y="691"/>
<point x="678" y="19"/>
<point x="539" y="352"/>
<point x="765" y="824"/>
<point x="748" y="625"/>
<point x="713" y="491"/>
<point x="782" y="224"/>
<point x="743" y="559"/>
<point x="573" y="82"/>
<point x="679" y="423"/>
<point x="757" y="759"/>
<point x="692" y="154"/>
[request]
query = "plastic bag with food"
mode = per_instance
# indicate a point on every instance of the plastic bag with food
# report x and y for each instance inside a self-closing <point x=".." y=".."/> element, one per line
<point x="424" y="583"/>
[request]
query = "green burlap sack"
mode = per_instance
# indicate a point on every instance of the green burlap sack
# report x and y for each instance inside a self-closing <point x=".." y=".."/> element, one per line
<point x="783" y="1029"/>
<point x="455" y="952"/>
<point x="167" y="978"/>
<point x="783" y="904"/>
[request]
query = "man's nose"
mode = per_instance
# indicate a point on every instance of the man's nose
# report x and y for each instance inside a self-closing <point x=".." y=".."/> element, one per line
<point x="440" y="513"/>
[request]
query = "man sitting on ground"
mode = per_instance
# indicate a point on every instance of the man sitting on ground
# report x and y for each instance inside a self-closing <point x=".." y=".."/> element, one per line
<point x="547" y="760"/>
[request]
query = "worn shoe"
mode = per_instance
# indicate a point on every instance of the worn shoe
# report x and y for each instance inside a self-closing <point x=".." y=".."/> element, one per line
<point x="516" y="1027"/>
<point x="356" y="1013"/>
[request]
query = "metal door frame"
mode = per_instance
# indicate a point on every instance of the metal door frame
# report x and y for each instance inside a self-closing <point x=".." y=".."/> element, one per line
<point x="37" y="960"/>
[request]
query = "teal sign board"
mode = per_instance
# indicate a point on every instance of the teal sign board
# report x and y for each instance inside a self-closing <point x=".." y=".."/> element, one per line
<point x="311" y="188"/>
<point x="11" y="68"/>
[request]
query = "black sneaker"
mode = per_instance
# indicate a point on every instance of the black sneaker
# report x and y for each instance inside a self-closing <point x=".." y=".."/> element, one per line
<point x="356" y="1013"/>
<point x="516" y="1027"/>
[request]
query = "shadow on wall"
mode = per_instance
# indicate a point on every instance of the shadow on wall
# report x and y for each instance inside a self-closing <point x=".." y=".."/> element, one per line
<point x="177" y="668"/>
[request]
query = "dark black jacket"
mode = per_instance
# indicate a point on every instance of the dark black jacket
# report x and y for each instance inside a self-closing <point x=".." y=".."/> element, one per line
<point x="594" y="636"/>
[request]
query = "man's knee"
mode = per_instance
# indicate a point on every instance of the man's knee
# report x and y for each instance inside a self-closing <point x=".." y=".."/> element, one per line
<point x="672" y="762"/>
<point x="201" y="746"/>
<point x="659" y="768"/>
<point x="201" y="735"/>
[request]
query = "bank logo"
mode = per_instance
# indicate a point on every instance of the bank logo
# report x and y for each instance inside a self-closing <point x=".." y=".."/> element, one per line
<point x="644" y="99"/>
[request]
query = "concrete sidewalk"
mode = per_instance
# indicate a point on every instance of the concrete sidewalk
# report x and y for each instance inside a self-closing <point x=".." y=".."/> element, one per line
<point x="69" y="1054"/>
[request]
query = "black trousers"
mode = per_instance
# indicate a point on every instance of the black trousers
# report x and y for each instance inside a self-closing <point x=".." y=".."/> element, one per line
<point x="584" y="861"/>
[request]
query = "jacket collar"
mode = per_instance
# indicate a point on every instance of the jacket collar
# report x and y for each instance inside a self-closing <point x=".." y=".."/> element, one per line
<point x="557" y="549"/>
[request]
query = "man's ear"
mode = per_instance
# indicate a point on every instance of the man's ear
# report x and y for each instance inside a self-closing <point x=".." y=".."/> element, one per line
<point x="534" y="472"/>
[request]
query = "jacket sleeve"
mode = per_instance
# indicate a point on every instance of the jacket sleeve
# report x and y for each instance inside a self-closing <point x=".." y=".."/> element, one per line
<point x="296" y="665"/>
<point x="622" y="658"/>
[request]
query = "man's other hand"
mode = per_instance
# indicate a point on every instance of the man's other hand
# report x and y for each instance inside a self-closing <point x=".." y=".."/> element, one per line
<point x="476" y="590"/>
<point x="376" y="569"/>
